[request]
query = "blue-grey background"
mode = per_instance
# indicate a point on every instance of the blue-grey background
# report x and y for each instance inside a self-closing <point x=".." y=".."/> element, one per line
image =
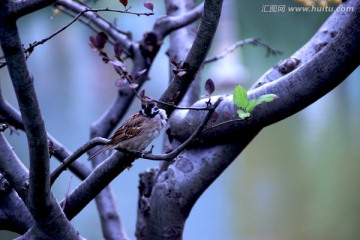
<point x="297" y="180"/>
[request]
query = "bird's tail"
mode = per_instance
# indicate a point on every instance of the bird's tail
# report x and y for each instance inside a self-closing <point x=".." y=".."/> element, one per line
<point x="97" y="152"/>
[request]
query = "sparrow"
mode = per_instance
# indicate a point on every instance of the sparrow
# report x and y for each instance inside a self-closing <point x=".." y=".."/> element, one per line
<point x="138" y="131"/>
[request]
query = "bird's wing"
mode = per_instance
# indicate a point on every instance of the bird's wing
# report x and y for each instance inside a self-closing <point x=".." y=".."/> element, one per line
<point x="133" y="126"/>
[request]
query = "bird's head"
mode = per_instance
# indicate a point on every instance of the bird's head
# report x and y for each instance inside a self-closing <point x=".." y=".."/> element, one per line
<point x="149" y="109"/>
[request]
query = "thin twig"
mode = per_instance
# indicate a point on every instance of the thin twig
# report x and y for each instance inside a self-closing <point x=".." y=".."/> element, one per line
<point x="170" y="156"/>
<point x="78" y="153"/>
<point x="89" y="23"/>
<point x="181" y="108"/>
<point x="31" y="48"/>
<point x="101" y="141"/>
<point x="232" y="48"/>
<point x="172" y="105"/>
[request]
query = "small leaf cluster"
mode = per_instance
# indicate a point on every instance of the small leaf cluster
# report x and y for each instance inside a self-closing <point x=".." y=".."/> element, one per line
<point x="149" y="5"/>
<point x="180" y="68"/>
<point x="97" y="43"/>
<point x="245" y="105"/>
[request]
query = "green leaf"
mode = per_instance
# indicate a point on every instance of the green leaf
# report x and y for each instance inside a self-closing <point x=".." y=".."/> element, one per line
<point x="250" y="105"/>
<point x="240" y="97"/>
<point x="243" y="114"/>
<point x="265" y="98"/>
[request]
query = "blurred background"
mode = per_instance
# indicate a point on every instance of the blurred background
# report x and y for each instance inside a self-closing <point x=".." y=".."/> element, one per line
<point x="298" y="179"/>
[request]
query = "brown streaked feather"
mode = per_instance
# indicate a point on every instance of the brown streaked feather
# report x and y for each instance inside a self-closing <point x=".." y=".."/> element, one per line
<point x="131" y="127"/>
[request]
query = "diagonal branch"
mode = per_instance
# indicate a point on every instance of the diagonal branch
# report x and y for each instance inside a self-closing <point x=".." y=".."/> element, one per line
<point x="197" y="54"/>
<point x="18" y="221"/>
<point x="99" y="21"/>
<point x="176" y="189"/>
<point x="13" y="169"/>
<point x="12" y="117"/>
<point x="165" y="25"/>
<point x="40" y="201"/>
<point x="296" y="90"/>
<point x="102" y="175"/>
<point x="232" y="48"/>
<point x="173" y="154"/>
<point x="33" y="123"/>
<point x="22" y="8"/>
<point x="110" y="168"/>
<point x="70" y="160"/>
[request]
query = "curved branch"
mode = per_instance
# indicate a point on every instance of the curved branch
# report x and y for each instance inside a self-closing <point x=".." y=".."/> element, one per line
<point x="296" y="90"/>
<point x="78" y="153"/>
<point x="102" y="175"/>
<point x="32" y="119"/>
<point x="14" y="215"/>
<point x="171" y="155"/>
<point x="175" y="190"/>
<point x="167" y="24"/>
<point x="232" y="48"/>
<point x="13" y="169"/>
<point x="40" y="201"/>
<point x="326" y="33"/>
<point x="197" y="54"/>
<point x="100" y="22"/>
<point x="110" y="168"/>
<point x="13" y="118"/>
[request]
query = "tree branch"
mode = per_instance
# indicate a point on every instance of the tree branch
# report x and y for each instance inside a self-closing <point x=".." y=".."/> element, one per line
<point x="40" y="201"/>
<point x="152" y="222"/>
<point x="173" y="154"/>
<point x="109" y="169"/>
<point x="13" y="118"/>
<point x="22" y="8"/>
<point x="102" y="175"/>
<point x="309" y="82"/>
<point x="197" y="54"/>
<point x="37" y="43"/>
<point x="12" y="168"/>
<point x="167" y="24"/>
<point x="232" y="48"/>
<point x="32" y="119"/>
<point x="14" y="215"/>
<point x="78" y="153"/>
<point x="100" y="22"/>
<point x="175" y="190"/>
<point x="329" y="29"/>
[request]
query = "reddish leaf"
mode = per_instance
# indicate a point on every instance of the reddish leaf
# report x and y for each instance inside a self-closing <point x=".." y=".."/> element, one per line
<point x="142" y="93"/>
<point x="130" y="78"/>
<point x="101" y="40"/>
<point x="149" y="5"/>
<point x="118" y="49"/>
<point x="209" y="86"/>
<point x="139" y="73"/>
<point x="124" y="2"/>
<point x="174" y="63"/>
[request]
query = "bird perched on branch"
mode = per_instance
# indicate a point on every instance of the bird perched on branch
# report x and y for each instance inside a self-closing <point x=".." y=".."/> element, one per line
<point x="139" y="130"/>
